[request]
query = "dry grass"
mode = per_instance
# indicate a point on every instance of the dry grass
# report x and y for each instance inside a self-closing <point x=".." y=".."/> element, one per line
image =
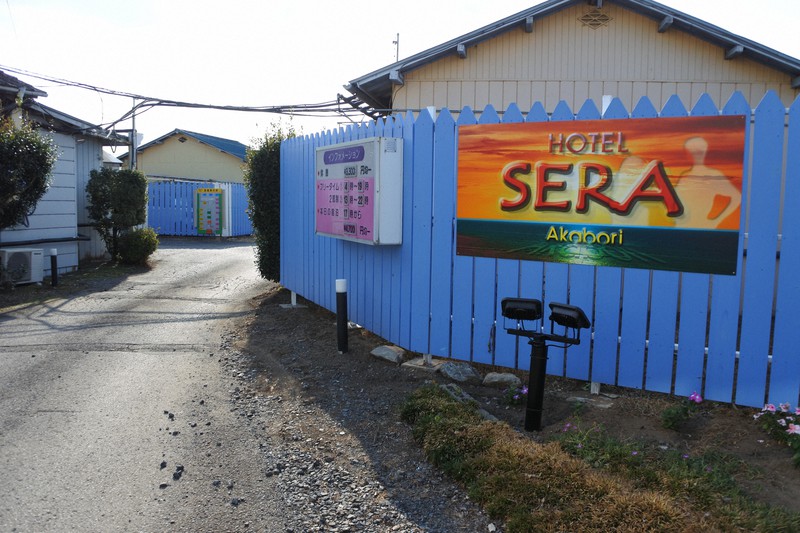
<point x="585" y="482"/>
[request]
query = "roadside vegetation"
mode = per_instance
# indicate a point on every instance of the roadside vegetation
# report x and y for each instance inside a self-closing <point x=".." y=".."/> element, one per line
<point x="117" y="205"/>
<point x="262" y="177"/>
<point x="584" y="480"/>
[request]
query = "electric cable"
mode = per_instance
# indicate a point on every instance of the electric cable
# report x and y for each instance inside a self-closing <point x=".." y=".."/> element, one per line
<point x="319" y="109"/>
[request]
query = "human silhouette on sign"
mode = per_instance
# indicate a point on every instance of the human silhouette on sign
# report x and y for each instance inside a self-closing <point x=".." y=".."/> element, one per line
<point x="709" y="198"/>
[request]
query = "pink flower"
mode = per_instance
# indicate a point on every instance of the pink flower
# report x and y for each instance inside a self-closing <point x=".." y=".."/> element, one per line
<point x="785" y="407"/>
<point x="797" y="411"/>
<point x="696" y="398"/>
<point x="769" y="407"/>
<point x="794" y="429"/>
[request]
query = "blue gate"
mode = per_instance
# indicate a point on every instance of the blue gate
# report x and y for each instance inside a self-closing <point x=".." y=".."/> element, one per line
<point x="171" y="208"/>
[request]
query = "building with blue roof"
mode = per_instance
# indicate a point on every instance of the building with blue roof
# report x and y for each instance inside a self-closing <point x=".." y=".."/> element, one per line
<point x="191" y="156"/>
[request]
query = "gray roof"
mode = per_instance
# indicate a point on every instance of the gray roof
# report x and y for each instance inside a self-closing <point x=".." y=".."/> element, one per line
<point x="58" y="120"/>
<point x="10" y="84"/>
<point x="64" y="123"/>
<point x="375" y="88"/>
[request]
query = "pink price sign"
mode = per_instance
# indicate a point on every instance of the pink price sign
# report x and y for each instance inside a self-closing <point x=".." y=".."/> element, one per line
<point x="346" y="208"/>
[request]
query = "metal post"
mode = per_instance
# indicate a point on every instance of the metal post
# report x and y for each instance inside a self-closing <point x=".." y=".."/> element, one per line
<point x="54" y="267"/>
<point x="341" y="314"/>
<point x="536" y="376"/>
<point x="133" y="139"/>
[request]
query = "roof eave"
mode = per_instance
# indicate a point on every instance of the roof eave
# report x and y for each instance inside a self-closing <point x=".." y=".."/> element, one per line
<point x="715" y="35"/>
<point x="375" y="87"/>
<point x="76" y="126"/>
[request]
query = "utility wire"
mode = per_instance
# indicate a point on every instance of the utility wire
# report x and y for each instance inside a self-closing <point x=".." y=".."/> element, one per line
<point x="148" y="102"/>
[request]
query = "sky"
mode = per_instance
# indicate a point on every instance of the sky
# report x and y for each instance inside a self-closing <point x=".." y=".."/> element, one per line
<point x="265" y="53"/>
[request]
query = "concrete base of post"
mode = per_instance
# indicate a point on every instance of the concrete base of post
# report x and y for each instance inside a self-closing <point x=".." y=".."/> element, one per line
<point x="294" y="304"/>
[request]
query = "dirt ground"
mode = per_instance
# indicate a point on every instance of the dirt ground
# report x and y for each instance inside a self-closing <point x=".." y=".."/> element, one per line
<point x="294" y="351"/>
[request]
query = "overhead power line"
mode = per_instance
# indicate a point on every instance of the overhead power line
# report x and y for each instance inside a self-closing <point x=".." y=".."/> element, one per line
<point x="148" y="102"/>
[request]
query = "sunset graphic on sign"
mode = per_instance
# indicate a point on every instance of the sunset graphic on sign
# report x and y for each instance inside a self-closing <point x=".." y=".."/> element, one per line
<point x="649" y="193"/>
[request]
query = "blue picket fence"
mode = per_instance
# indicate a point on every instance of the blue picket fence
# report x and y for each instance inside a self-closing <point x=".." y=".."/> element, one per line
<point x="171" y="209"/>
<point x="730" y="338"/>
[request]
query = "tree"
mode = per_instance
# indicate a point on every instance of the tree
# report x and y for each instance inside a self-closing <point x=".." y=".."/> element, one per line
<point x="118" y="202"/>
<point x="26" y="160"/>
<point x="263" y="181"/>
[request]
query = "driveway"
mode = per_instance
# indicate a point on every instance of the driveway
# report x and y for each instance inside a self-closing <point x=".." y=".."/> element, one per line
<point x="115" y="412"/>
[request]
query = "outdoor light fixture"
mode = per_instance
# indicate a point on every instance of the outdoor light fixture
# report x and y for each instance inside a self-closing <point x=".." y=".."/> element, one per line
<point x="522" y="310"/>
<point x="571" y="317"/>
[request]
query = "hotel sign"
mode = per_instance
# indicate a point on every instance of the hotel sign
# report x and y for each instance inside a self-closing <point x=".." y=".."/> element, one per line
<point x="659" y="194"/>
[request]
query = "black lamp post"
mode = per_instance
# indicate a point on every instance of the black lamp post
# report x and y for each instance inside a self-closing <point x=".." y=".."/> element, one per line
<point x="522" y="310"/>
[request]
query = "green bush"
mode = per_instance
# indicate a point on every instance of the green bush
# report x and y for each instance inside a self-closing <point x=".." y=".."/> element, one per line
<point x="136" y="246"/>
<point x="117" y="203"/>
<point x="263" y="181"/>
<point x="26" y="159"/>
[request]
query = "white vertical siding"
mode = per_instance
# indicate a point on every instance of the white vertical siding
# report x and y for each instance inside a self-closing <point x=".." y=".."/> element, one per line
<point x="89" y="157"/>
<point x="55" y="216"/>
<point x="56" y="213"/>
<point x="564" y="60"/>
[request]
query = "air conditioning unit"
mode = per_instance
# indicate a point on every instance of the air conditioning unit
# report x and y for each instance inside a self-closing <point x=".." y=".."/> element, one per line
<point x="21" y="265"/>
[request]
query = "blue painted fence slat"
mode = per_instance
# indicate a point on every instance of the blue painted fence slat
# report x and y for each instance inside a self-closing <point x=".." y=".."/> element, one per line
<point x="422" y="216"/>
<point x="783" y="386"/>
<point x="581" y="290"/>
<point x="485" y="289"/>
<point x="663" y="319"/>
<point x="726" y="295"/>
<point x="444" y="211"/>
<point x="694" y="309"/>
<point x="463" y="273"/>
<point x="505" y="346"/>
<point x="762" y="246"/>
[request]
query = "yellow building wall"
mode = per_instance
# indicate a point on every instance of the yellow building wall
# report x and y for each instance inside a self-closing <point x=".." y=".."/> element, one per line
<point x="565" y="60"/>
<point x="191" y="159"/>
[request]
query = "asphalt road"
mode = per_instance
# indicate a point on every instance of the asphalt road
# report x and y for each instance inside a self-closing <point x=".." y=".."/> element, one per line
<point x="105" y="396"/>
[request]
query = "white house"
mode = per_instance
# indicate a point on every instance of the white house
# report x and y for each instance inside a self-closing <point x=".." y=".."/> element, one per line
<point x="59" y="220"/>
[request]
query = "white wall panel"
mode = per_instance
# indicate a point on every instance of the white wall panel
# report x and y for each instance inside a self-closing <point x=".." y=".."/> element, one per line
<point x="628" y="59"/>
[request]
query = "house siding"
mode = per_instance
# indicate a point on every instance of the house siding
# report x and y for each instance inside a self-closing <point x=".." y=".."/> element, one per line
<point x="191" y="159"/>
<point x="55" y="216"/>
<point x="564" y="60"/>
<point x="89" y="157"/>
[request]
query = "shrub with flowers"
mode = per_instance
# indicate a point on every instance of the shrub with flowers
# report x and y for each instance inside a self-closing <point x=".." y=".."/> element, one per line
<point x="672" y="417"/>
<point x="783" y="424"/>
<point x="515" y="395"/>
